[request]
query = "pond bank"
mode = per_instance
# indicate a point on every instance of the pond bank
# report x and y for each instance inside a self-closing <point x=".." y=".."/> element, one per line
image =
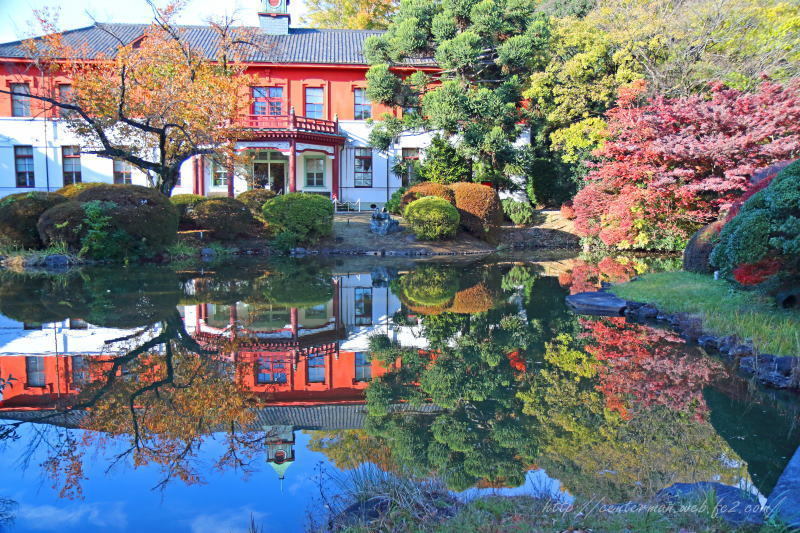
<point x="743" y="327"/>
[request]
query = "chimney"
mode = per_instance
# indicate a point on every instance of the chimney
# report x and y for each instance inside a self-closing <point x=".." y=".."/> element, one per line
<point x="274" y="18"/>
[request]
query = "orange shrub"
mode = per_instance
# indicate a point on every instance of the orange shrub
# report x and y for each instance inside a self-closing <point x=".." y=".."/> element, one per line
<point x="479" y="207"/>
<point x="427" y="188"/>
<point x="475" y="299"/>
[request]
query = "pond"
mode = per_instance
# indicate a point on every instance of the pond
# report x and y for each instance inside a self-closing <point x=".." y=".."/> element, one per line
<point x="203" y="397"/>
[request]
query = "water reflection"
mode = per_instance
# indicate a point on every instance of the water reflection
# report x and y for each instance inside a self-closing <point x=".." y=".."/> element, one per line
<point x="474" y="373"/>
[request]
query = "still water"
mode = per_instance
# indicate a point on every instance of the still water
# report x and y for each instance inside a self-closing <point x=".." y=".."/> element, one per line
<point x="204" y="397"/>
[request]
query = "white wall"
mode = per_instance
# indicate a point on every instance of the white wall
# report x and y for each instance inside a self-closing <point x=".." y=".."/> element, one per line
<point x="47" y="137"/>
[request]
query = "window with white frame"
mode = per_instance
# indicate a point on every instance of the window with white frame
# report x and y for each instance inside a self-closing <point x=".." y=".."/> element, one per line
<point x="219" y="174"/>
<point x="23" y="163"/>
<point x="314" y="106"/>
<point x="363" y="167"/>
<point x="315" y="172"/>
<point x="410" y="159"/>
<point x="267" y="101"/>
<point x="363" y="306"/>
<point x="362" y="107"/>
<point x="123" y="174"/>
<point x="65" y="96"/>
<point x="20" y="104"/>
<point x="363" y="366"/>
<point x="71" y="164"/>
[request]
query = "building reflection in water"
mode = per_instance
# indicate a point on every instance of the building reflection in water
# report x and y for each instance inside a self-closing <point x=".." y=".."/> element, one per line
<point x="309" y="364"/>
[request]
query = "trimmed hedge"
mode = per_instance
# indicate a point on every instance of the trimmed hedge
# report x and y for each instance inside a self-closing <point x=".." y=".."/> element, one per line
<point x="63" y="223"/>
<point x="421" y="190"/>
<point x="185" y="204"/>
<point x="71" y="191"/>
<point x="306" y="217"/>
<point x="520" y="213"/>
<point x="143" y="213"/>
<point x="767" y="229"/>
<point x="479" y="207"/>
<point x="432" y="218"/>
<point x="698" y="250"/>
<point x="226" y="218"/>
<point x="19" y="214"/>
<point x="428" y="289"/>
<point x="255" y="199"/>
<point x="112" y="222"/>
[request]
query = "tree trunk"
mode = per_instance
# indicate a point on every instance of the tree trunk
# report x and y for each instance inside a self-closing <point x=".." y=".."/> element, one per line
<point x="167" y="180"/>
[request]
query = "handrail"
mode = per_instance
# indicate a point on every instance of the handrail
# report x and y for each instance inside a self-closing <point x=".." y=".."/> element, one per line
<point x="291" y="122"/>
<point x="347" y="206"/>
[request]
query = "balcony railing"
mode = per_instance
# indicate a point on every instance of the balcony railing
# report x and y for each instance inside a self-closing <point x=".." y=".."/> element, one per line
<point x="291" y="122"/>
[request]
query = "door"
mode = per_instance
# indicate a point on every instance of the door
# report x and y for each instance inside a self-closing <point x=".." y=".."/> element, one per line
<point x="260" y="175"/>
<point x="277" y="174"/>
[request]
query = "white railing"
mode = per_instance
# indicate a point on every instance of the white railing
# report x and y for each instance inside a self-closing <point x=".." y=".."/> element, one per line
<point x="346" y="207"/>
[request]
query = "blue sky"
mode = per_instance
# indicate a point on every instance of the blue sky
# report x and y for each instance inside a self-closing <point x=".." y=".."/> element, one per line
<point x="15" y="15"/>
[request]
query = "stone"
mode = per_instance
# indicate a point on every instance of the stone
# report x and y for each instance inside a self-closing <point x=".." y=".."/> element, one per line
<point x="596" y="303"/>
<point x="382" y="223"/>
<point x="733" y="504"/>
<point x="742" y="350"/>
<point x="708" y="341"/>
<point x="57" y="260"/>
<point x="784" y="501"/>
<point x="726" y="343"/>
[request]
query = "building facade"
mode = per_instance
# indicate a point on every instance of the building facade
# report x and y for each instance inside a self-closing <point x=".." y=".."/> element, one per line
<point x="307" y="126"/>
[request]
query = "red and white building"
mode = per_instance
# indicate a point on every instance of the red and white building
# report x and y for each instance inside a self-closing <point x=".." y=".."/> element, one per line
<point x="307" y="128"/>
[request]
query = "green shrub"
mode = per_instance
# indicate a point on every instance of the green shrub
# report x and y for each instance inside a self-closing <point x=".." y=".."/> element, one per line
<point x="766" y="228"/>
<point x="698" y="250"/>
<point x="103" y="239"/>
<point x="255" y="199"/>
<point x="71" y="191"/>
<point x="520" y="213"/>
<point x="395" y="203"/>
<point x="307" y="216"/>
<point x="479" y="207"/>
<point x="19" y="214"/>
<point x="421" y="190"/>
<point x="432" y="218"/>
<point x="185" y="204"/>
<point x="143" y="213"/>
<point x="428" y="289"/>
<point x="63" y="223"/>
<point x="443" y="163"/>
<point x="226" y="218"/>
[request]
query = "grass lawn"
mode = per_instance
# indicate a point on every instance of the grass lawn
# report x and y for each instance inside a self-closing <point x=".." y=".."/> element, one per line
<point x="724" y="309"/>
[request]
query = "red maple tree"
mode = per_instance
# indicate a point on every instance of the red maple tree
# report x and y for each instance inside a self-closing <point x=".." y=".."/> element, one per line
<point x="672" y="164"/>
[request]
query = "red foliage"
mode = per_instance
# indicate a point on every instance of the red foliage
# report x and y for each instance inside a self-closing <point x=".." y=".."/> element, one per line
<point x="759" y="182"/>
<point x="670" y="166"/>
<point x="755" y="273"/>
<point x="587" y="277"/>
<point x="645" y="366"/>
<point x="567" y="211"/>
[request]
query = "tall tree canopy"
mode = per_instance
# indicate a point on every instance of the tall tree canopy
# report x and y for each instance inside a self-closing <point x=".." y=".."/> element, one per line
<point x="156" y="103"/>
<point x="351" y="14"/>
<point x="486" y="50"/>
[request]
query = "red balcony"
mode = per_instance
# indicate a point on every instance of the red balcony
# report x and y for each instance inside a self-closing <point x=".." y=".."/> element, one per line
<point x="291" y="122"/>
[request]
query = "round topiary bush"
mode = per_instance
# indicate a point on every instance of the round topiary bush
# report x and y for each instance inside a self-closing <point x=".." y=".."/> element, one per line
<point x="19" y="214"/>
<point x="427" y="290"/>
<point x="306" y="216"/>
<point x="421" y="190"/>
<point x="144" y="214"/>
<point x="520" y="213"/>
<point x="763" y="241"/>
<point x="63" y="223"/>
<point x="698" y="250"/>
<point x="479" y="207"/>
<point x="71" y="191"/>
<point x="255" y="199"/>
<point x="185" y="204"/>
<point x="226" y="218"/>
<point x="432" y="218"/>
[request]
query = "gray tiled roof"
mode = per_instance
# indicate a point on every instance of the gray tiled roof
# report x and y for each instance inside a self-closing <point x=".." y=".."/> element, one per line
<point x="301" y="45"/>
<point x="317" y="417"/>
